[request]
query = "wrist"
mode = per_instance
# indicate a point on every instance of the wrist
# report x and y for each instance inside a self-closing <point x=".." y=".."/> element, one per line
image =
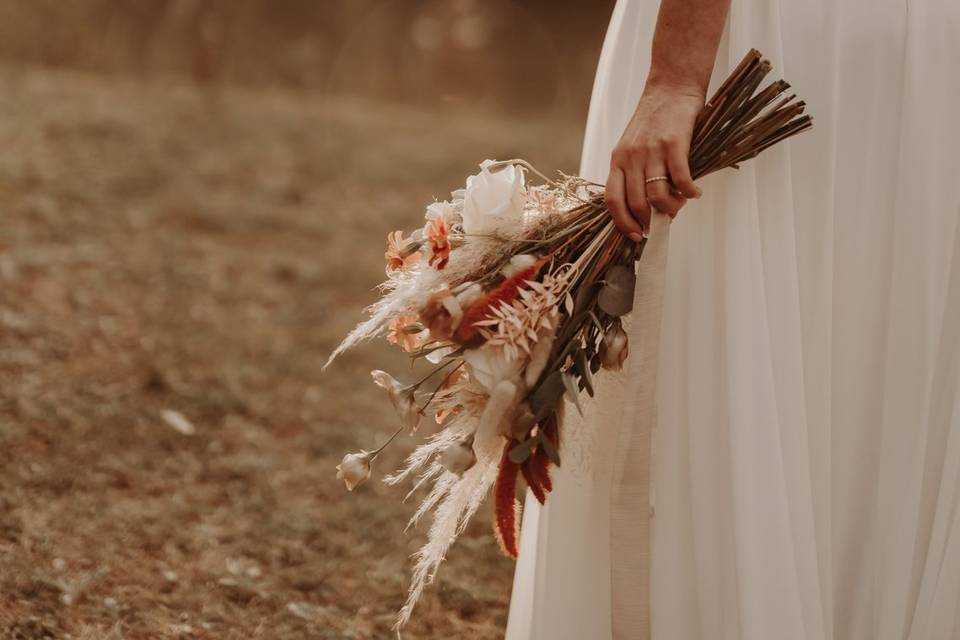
<point x="669" y="81"/>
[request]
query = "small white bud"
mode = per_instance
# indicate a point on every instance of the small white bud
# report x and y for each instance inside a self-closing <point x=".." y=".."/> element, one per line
<point x="354" y="469"/>
<point x="402" y="396"/>
<point x="517" y="264"/>
<point x="614" y="348"/>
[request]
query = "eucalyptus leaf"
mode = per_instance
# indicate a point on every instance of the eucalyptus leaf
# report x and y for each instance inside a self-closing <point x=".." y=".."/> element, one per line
<point x="523" y="422"/>
<point x="522" y="451"/>
<point x="573" y="394"/>
<point x="595" y="363"/>
<point x="596" y="321"/>
<point x="571" y="327"/>
<point x="616" y="296"/>
<point x="583" y="366"/>
<point x="550" y="450"/>
<point x="568" y="304"/>
<point x="544" y="399"/>
<point x="585" y="296"/>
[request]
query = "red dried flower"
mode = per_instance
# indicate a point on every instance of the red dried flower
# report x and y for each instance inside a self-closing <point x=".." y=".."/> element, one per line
<point x="507" y="507"/>
<point x="530" y="471"/>
<point x="505" y="293"/>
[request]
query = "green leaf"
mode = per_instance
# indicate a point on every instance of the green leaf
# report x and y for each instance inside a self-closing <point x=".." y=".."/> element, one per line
<point x="545" y="397"/>
<point x="596" y="321"/>
<point x="522" y="451"/>
<point x="568" y="304"/>
<point x="583" y="366"/>
<point x="595" y="363"/>
<point x="572" y="326"/>
<point x="573" y="394"/>
<point x="616" y="296"/>
<point x="550" y="450"/>
<point x="524" y="422"/>
<point x="585" y="296"/>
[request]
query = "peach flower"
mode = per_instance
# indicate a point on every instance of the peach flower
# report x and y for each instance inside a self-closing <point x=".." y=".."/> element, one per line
<point x="401" y="252"/>
<point x="438" y="237"/>
<point x="404" y="333"/>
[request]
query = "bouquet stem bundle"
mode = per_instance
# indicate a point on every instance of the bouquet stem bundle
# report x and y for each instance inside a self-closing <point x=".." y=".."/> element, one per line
<point x="516" y="294"/>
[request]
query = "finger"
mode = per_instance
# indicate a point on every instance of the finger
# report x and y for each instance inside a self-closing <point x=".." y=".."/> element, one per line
<point x="678" y="165"/>
<point x="683" y="201"/>
<point x="637" y="194"/>
<point x="615" y="197"/>
<point x="658" y="192"/>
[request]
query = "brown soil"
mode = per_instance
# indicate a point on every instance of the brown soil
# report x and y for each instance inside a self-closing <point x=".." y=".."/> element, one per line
<point x="168" y="248"/>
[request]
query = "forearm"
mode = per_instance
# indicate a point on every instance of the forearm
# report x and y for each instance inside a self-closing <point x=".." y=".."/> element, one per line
<point x="685" y="43"/>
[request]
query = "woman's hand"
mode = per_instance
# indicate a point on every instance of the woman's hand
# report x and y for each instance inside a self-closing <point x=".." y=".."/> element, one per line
<point x="655" y="143"/>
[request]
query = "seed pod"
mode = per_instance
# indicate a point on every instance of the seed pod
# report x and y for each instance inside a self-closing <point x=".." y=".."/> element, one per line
<point x="614" y="348"/>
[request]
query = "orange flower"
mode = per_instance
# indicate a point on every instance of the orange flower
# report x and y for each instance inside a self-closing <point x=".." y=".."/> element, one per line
<point x="403" y="334"/>
<point x="398" y="253"/>
<point x="439" y="238"/>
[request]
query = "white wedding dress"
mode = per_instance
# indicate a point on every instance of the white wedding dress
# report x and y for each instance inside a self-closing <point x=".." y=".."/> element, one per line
<point x="806" y="455"/>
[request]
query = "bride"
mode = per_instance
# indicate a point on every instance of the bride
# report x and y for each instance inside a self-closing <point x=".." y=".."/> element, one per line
<point x="806" y="450"/>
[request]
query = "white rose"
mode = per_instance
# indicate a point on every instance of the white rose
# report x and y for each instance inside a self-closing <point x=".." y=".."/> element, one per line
<point x="444" y="210"/>
<point x="493" y="200"/>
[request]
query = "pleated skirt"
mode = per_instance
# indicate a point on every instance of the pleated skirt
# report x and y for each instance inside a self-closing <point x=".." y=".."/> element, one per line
<point x="806" y="473"/>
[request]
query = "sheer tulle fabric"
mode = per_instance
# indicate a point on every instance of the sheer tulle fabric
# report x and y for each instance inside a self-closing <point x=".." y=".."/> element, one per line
<point x="807" y="453"/>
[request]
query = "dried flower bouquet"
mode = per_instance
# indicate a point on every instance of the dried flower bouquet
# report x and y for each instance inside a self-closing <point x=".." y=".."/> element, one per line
<point x="515" y="293"/>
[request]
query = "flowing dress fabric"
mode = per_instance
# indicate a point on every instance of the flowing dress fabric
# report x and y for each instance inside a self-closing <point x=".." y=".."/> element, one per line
<point x="806" y="465"/>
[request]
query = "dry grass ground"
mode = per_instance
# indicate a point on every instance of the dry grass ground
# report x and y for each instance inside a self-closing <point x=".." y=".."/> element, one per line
<point x="165" y="248"/>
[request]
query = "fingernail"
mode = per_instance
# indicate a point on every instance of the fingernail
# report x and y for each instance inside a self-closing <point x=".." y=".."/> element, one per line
<point x="636" y="237"/>
<point x="698" y="193"/>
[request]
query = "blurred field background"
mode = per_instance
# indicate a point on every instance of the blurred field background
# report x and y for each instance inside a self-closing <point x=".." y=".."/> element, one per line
<point x="193" y="200"/>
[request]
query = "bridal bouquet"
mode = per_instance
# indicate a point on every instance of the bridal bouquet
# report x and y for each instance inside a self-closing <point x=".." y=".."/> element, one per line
<point x="514" y="293"/>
